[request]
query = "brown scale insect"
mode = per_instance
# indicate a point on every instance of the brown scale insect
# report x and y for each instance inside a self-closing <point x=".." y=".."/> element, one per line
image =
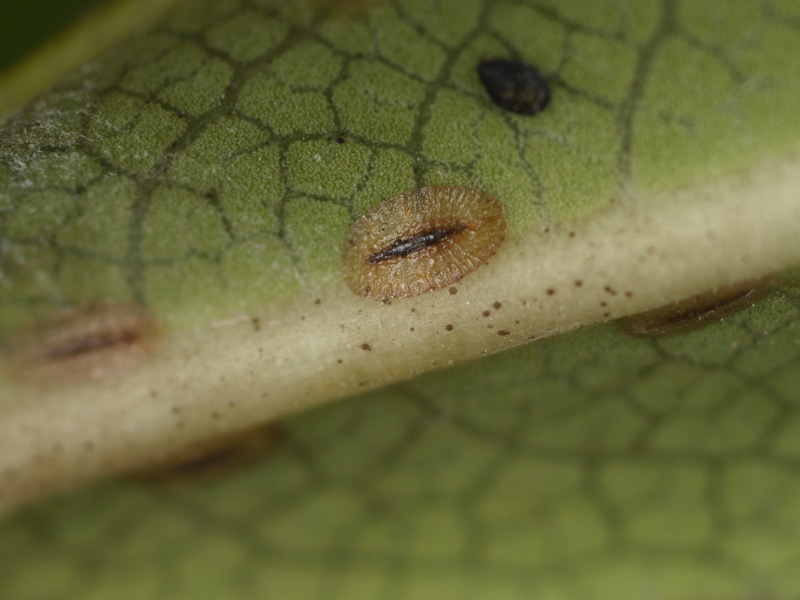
<point x="422" y="240"/>
<point x="82" y="343"/>
<point x="696" y="311"/>
<point x="208" y="460"/>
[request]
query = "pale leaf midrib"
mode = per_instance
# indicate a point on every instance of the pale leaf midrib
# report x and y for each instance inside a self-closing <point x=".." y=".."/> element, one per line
<point x="665" y="249"/>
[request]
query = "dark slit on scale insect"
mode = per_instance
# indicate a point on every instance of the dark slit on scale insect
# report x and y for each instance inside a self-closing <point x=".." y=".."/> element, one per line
<point x="95" y="343"/>
<point x="405" y="246"/>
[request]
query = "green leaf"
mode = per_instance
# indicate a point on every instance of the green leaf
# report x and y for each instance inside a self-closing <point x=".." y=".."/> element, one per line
<point x="200" y="181"/>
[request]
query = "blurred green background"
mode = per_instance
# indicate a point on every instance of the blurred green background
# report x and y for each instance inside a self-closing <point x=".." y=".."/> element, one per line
<point x="28" y="24"/>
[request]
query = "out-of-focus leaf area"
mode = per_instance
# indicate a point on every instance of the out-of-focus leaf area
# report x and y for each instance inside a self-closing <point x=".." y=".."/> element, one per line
<point x="591" y="465"/>
<point x="28" y="24"/>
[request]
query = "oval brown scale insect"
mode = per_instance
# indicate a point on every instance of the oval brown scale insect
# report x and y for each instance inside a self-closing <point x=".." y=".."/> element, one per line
<point x="214" y="458"/>
<point x="696" y="311"/>
<point x="422" y="240"/>
<point x="81" y="343"/>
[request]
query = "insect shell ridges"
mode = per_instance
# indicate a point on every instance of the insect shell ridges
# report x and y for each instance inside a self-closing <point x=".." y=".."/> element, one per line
<point x="422" y="240"/>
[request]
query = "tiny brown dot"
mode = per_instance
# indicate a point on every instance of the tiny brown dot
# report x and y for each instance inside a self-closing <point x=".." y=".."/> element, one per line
<point x="503" y="332"/>
<point x="448" y="327"/>
<point x="339" y="360"/>
<point x="550" y="291"/>
<point x="578" y="283"/>
<point x="317" y="301"/>
<point x="453" y="291"/>
<point x="486" y="313"/>
<point x="366" y="347"/>
<point x="497" y="305"/>
<point x="603" y="304"/>
<point x="413" y="310"/>
<point x="607" y="314"/>
<point x="411" y="329"/>
<point x="490" y="326"/>
<point x="629" y="294"/>
<point x="547" y="230"/>
<point x="571" y="234"/>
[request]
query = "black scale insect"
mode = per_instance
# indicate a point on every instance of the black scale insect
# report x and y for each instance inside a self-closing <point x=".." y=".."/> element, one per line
<point x="514" y="85"/>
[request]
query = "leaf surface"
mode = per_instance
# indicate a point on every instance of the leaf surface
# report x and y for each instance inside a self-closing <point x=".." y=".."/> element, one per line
<point x="209" y="172"/>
